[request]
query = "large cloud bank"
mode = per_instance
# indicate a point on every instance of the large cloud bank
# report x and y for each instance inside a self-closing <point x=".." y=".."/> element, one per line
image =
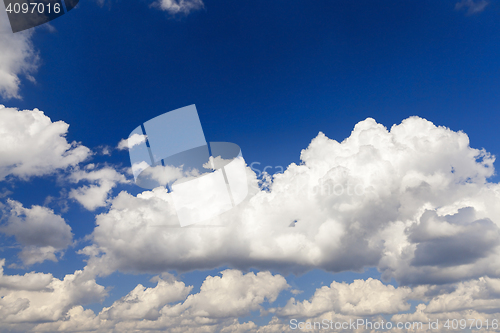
<point x="405" y="200"/>
<point x="172" y="306"/>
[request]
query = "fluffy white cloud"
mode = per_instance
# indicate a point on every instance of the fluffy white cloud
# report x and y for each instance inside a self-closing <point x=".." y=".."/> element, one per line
<point x="97" y="193"/>
<point x="146" y="303"/>
<point x="39" y="297"/>
<point x="414" y="201"/>
<point x="234" y="294"/>
<point x="40" y="232"/>
<point x="29" y="281"/>
<point x="386" y="198"/>
<point x="466" y="302"/>
<point x="168" y="308"/>
<point x="18" y="57"/>
<point x="443" y="249"/>
<point x="179" y="6"/>
<point x="132" y="141"/>
<point x="360" y="298"/>
<point x="481" y="295"/>
<point x="32" y="145"/>
<point x="474" y="300"/>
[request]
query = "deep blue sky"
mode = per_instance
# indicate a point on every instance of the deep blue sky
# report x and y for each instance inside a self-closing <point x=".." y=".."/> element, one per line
<point x="267" y="75"/>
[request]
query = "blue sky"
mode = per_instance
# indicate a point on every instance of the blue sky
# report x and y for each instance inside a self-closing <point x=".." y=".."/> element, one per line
<point x="268" y="76"/>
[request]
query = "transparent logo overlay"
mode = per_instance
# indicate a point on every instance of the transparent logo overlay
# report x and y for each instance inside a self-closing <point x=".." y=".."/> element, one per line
<point x="26" y="14"/>
<point x="205" y="179"/>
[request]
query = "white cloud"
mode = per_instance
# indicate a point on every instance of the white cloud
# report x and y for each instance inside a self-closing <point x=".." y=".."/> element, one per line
<point x="146" y="303"/>
<point x="168" y="308"/>
<point x="163" y="175"/>
<point x="474" y="300"/>
<point x="39" y="297"/>
<point x="360" y="298"/>
<point x="32" y="145"/>
<point x="234" y="294"/>
<point x="221" y="300"/>
<point x="132" y="141"/>
<point x="97" y="193"/>
<point x="406" y="200"/>
<point x="18" y="57"/>
<point x="39" y="231"/>
<point x="464" y="247"/>
<point x="362" y="202"/>
<point x="28" y="281"/>
<point x="179" y="6"/>
<point x="473" y="7"/>
<point x="481" y="295"/>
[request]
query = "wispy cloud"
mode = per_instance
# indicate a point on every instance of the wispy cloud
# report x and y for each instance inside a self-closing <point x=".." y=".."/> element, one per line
<point x="179" y="6"/>
<point x="473" y="7"/>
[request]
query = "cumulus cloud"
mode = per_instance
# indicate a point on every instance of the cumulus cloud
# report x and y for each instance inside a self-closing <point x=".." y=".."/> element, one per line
<point x="393" y="199"/>
<point x="29" y="281"/>
<point x="360" y="298"/>
<point x="179" y="6"/>
<point x="132" y="141"/>
<point x="97" y="193"/>
<point x="413" y="200"/>
<point x="169" y="307"/>
<point x="39" y="231"/>
<point x="32" y="145"/>
<point x="444" y="249"/>
<point x="472" y="6"/>
<point x="18" y="58"/>
<point x="39" y="297"/>
<point x="466" y="240"/>
<point x="38" y="302"/>
<point x="476" y="301"/>
<point x="146" y="303"/>
<point x="470" y="301"/>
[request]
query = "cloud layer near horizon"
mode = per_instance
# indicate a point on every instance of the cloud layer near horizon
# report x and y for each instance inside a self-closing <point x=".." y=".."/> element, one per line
<point x="38" y="302"/>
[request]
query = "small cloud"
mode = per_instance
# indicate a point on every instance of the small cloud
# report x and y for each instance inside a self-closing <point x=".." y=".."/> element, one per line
<point x="48" y="27"/>
<point x="104" y="150"/>
<point x="472" y="6"/>
<point x="97" y="193"/>
<point x="179" y="6"/>
<point x="5" y="193"/>
<point x="134" y="140"/>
